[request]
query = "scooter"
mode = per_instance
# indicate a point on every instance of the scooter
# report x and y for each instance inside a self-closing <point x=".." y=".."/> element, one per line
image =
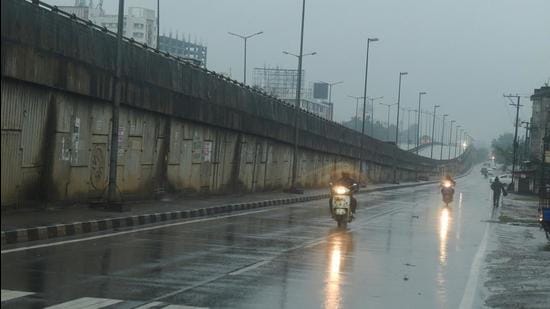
<point x="341" y="198"/>
<point x="447" y="192"/>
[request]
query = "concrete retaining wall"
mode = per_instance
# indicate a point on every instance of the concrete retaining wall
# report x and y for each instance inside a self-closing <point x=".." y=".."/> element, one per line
<point x="181" y="127"/>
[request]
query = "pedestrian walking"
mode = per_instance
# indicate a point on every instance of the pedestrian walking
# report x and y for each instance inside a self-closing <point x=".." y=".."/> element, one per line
<point x="498" y="188"/>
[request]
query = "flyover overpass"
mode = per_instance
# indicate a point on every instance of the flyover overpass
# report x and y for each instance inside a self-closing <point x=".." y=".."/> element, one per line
<point x="182" y="127"/>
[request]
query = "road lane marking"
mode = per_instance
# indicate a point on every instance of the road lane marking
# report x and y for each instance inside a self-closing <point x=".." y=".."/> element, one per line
<point x="86" y="303"/>
<point x="10" y="294"/>
<point x="471" y="285"/>
<point x="150" y="305"/>
<point x="250" y="267"/>
<point x="156" y="227"/>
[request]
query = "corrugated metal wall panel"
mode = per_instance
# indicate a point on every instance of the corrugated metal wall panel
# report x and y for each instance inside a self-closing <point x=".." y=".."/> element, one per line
<point x="12" y="114"/>
<point x="11" y="166"/>
<point x="35" y="115"/>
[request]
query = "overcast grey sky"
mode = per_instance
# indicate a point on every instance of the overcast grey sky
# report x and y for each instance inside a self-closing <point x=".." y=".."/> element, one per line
<point x="465" y="54"/>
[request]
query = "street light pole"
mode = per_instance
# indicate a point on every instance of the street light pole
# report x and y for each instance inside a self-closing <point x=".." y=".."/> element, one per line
<point x="420" y="94"/>
<point x="356" y="110"/>
<point x="113" y="156"/>
<point x="158" y="24"/>
<point x="245" y="39"/>
<point x="372" y="113"/>
<point x="389" y="110"/>
<point x="298" y="98"/>
<point x="442" y="137"/>
<point x="398" y="108"/>
<point x="456" y="138"/>
<point x="330" y="97"/>
<point x="433" y="131"/>
<point x="450" y="138"/>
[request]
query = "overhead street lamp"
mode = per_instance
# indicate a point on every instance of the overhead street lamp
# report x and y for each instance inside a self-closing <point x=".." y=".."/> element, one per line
<point x="245" y="39"/>
<point x="420" y="94"/>
<point x="433" y="131"/>
<point x="330" y="85"/>
<point x="369" y="40"/>
<point x="389" y="110"/>
<point x="456" y="137"/>
<point x="442" y="137"/>
<point x="401" y="74"/>
<point x="297" y="106"/>
<point x="451" y="138"/>
<point x="356" y="110"/>
<point x="372" y="113"/>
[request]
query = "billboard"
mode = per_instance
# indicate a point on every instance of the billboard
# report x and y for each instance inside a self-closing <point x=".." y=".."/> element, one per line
<point x="320" y="91"/>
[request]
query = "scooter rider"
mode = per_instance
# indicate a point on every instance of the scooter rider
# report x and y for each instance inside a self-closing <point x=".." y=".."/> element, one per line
<point x="349" y="183"/>
<point x="449" y="178"/>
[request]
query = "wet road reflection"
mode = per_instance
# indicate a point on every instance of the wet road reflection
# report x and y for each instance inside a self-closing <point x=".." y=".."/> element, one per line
<point x="405" y="250"/>
<point x="339" y="247"/>
<point x="444" y="222"/>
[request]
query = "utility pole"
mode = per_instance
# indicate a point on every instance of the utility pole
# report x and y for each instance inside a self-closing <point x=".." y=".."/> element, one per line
<point x="112" y="197"/>
<point x="158" y="24"/>
<point x="433" y="131"/>
<point x="408" y="128"/>
<point x="517" y="105"/>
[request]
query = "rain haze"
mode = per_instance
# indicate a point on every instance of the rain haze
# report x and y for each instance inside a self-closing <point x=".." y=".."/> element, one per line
<point x="142" y="170"/>
<point x="465" y="54"/>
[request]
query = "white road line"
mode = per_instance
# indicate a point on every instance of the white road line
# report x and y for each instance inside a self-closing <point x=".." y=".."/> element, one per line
<point x="251" y="267"/>
<point x="471" y="286"/>
<point x="150" y="305"/>
<point x="182" y="307"/>
<point x="156" y="227"/>
<point x="9" y="294"/>
<point x="86" y="303"/>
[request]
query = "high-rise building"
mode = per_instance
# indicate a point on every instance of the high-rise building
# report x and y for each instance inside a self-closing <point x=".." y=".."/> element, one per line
<point x="183" y="48"/>
<point x="140" y="23"/>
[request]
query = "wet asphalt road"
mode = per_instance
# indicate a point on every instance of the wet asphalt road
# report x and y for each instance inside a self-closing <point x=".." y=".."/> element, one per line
<point x="404" y="250"/>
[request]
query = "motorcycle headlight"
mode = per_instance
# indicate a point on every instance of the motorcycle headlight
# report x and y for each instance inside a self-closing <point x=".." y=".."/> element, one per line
<point x="340" y="190"/>
<point x="447" y="184"/>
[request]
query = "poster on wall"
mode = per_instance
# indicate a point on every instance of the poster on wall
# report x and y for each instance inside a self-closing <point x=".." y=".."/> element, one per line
<point x="207" y="151"/>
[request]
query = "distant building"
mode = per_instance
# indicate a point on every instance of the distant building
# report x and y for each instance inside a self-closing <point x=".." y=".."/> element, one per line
<point x="140" y="24"/>
<point x="183" y="48"/>
<point x="540" y="121"/>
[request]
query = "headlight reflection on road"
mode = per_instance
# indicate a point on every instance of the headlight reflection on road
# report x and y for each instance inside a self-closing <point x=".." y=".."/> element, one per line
<point x="332" y="285"/>
<point x="444" y="221"/>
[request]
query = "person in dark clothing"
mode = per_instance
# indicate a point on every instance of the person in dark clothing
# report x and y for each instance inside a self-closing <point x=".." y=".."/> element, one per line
<point x="498" y="188"/>
<point x="349" y="183"/>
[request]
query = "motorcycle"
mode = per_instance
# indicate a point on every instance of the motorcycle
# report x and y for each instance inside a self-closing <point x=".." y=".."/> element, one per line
<point x="341" y="198"/>
<point x="447" y="192"/>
